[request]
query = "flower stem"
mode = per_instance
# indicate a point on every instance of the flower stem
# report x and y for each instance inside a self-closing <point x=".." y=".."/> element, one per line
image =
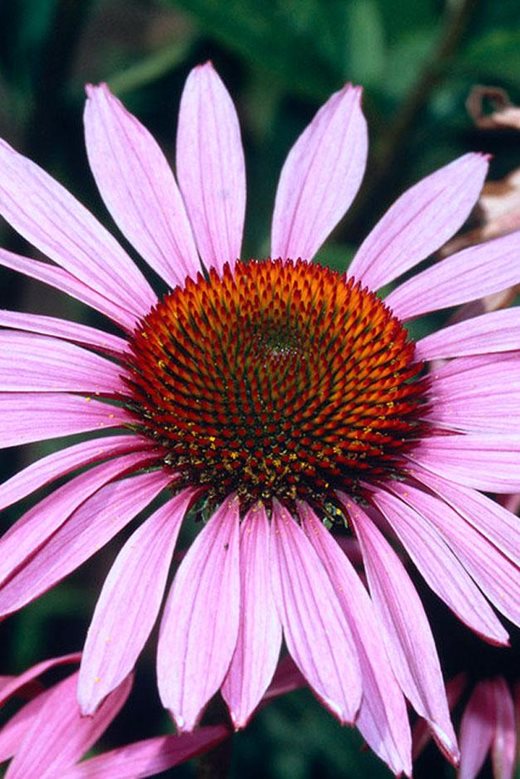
<point x="397" y="134"/>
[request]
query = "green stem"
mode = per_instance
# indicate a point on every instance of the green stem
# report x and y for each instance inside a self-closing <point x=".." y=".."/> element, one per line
<point x="150" y="68"/>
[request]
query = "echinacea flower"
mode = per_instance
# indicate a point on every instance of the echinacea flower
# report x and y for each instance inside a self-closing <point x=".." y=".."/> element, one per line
<point x="264" y="397"/>
<point x="48" y="736"/>
<point x="489" y="725"/>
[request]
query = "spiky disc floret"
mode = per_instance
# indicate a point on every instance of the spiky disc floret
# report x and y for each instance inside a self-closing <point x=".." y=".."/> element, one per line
<point x="278" y="379"/>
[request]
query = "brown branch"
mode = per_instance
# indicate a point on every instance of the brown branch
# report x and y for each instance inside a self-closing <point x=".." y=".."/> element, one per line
<point x="397" y="134"/>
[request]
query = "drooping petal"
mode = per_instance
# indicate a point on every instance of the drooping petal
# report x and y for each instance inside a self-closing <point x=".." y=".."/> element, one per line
<point x="29" y="417"/>
<point x="13" y="733"/>
<point x="503" y="750"/>
<point x="260" y="633"/>
<point x="37" y="363"/>
<point x="62" y="328"/>
<point x="85" y="532"/>
<point x="46" y="215"/>
<point x="421" y="734"/>
<point x="382" y="718"/>
<point x="420" y="221"/>
<point x="138" y="187"/>
<point x="496" y="331"/>
<point x="59" y="735"/>
<point x="315" y="627"/>
<point x="495" y="574"/>
<point x="64" y="461"/>
<point x="210" y="167"/>
<point x="470" y="274"/>
<point x="437" y="561"/>
<point x="320" y="177"/>
<point x="42" y="520"/>
<point x="149" y="757"/>
<point x="16" y="683"/>
<point x="5" y="680"/>
<point x="477" y="730"/>
<point x="488" y="517"/>
<point x="129" y="602"/>
<point x="407" y="634"/>
<point x="65" y="282"/>
<point x="485" y="462"/>
<point x="200" y="624"/>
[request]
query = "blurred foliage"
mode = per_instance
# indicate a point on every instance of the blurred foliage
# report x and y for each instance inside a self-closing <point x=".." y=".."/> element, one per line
<point x="280" y="60"/>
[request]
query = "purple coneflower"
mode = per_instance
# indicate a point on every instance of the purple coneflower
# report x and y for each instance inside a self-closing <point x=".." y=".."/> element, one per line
<point x="271" y="399"/>
<point x="489" y="726"/>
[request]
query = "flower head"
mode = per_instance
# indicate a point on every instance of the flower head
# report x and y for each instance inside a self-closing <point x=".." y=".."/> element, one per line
<point x="276" y="380"/>
<point x="263" y="397"/>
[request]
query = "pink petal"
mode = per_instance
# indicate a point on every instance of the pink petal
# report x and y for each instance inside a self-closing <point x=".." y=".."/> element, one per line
<point x="85" y="532"/>
<point x="486" y="419"/>
<point x="64" y="461"/>
<point x="59" y="735"/>
<point x="420" y="221"/>
<point x="436" y="560"/>
<point x="129" y="603"/>
<point x="475" y="376"/>
<point x="320" y="177"/>
<point x="406" y="631"/>
<point x="260" y="632"/>
<point x="138" y="187"/>
<point x="37" y="363"/>
<point x="495" y="574"/>
<point x="210" y="167"/>
<point x="62" y="280"/>
<point x="28" y="417"/>
<point x="5" y="680"/>
<point x="494" y="413"/>
<point x="47" y="216"/>
<point x="147" y="758"/>
<point x="200" y="623"/>
<point x="490" y="519"/>
<point x="421" y="734"/>
<point x="470" y="274"/>
<point x="315" y="627"/>
<point x="62" y="328"/>
<point x="477" y="730"/>
<point x="478" y="394"/>
<point x="382" y="718"/>
<point x="497" y="331"/>
<point x="13" y="733"/>
<point x="486" y="462"/>
<point x="42" y="520"/>
<point x="503" y="751"/>
<point x="455" y="369"/>
<point x="510" y="502"/>
<point x="16" y="683"/>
